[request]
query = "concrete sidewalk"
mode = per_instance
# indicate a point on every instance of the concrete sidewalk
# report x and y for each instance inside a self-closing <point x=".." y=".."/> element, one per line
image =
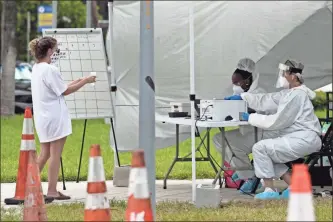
<point x="177" y="190"/>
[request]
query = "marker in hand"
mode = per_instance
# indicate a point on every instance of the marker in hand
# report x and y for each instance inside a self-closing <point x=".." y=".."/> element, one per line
<point x="92" y="74"/>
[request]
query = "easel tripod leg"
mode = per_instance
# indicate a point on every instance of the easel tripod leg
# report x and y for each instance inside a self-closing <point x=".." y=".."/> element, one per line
<point x="115" y="141"/>
<point x="62" y="173"/>
<point x="82" y="145"/>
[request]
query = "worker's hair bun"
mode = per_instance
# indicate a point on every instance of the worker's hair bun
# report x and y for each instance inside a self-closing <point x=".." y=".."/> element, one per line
<point x="33" y="47"/>
<point x="40" y="46"/>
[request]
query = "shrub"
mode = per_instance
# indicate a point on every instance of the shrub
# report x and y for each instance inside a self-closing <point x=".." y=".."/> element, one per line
<point x="320" y="101"/>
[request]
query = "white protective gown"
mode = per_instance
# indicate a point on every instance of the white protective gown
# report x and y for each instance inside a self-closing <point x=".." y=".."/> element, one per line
<point x="241" y="140"/>
<point x="291" y="133"/>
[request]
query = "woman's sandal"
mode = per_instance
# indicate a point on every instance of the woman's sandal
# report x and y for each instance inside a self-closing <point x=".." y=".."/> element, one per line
<point x="61" y="197"/>
<point x="48" y="199"/>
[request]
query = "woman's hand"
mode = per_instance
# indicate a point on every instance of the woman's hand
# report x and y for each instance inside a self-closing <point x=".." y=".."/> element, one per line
<point x="90" y="79"/>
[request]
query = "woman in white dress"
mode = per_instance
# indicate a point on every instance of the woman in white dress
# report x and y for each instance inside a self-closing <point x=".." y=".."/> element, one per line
<point x="51" y="116"/>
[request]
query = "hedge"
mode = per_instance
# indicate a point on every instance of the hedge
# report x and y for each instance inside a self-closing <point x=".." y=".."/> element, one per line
<point x="320" y="101"/>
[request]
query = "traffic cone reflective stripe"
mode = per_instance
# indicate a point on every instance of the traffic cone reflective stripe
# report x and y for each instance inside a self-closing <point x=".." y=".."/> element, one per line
<point x="27" y="122"/>
<point x="28" y="137"/>
<point x="34" y="205"/>
<point x="27" y="145"/>
<point x="138" y="179"/>
<point x="138" y="205"/>
<point x="96" y="174"/>
<point x="97" y="207"/>
<point x="300" y="206"/>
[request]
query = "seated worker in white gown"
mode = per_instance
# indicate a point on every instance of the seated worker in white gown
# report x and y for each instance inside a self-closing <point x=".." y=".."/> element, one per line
<point x="244" y="79"/>
<point x="292" y="132"/>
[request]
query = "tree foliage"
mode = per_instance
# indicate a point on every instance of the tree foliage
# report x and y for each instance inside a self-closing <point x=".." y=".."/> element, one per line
<point x="74" y="10"/>
<point x="320" y="102"/>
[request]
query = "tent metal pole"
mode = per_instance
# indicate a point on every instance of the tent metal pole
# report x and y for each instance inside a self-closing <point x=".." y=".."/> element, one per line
<point x="113" y="80"/>
<point x="192" y="99"/>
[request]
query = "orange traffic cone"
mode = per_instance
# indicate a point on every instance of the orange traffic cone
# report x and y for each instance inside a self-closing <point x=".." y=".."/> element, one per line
<point x="34" y="206"/>
<point x="97" y="207"/>
<point x="27" y="145"/>
<point x="138" y="205"/>
<point x="300" y="206"/>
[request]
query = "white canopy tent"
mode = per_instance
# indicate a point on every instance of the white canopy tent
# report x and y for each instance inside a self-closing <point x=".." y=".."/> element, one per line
<point x="327" y="88"/>
<point x="224" y="31"/>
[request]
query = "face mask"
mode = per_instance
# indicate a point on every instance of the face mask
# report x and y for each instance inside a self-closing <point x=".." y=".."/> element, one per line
<point x="284" y="82"/>
<point x="237" y="90"/>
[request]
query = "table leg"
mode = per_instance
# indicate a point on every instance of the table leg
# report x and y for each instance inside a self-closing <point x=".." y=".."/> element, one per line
<point x="174" y="160"/>
<point x="218" y="175"/>
<point x="223" y="146"/>
<point x="209" y="156"/>
<point x="197" y="149"/>
<point x="223" y="156"/>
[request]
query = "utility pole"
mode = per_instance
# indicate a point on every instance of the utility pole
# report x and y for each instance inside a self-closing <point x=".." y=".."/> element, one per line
<point x="54" y="14"/>
<point x="147" y="94"/>
<point x="88" y="14"/>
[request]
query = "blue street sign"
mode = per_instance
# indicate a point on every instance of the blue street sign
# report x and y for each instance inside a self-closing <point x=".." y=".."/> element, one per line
<point x="45" y="15"/>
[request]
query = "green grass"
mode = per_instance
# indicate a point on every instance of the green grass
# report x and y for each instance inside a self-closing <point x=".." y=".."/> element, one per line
<point x="170" y="211"/>
<point x="97" y="133"/>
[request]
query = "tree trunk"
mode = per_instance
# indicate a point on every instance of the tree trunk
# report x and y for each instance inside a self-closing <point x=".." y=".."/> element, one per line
<point x="8" y="48"/>
<point x="1" y="40"/>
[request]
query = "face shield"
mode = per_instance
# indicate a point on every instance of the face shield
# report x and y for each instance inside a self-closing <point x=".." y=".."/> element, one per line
<point x="282" y="82"/>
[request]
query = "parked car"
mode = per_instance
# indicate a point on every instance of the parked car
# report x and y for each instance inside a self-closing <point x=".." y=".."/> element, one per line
<point x="23" y="97"/>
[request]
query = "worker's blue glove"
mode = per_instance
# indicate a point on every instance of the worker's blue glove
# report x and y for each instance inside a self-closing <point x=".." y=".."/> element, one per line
<point x="245" y="116"/>
<point x="233" y="97"/>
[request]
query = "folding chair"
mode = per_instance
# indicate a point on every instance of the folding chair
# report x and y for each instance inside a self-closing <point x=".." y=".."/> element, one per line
<point x="325" y="151"/>
<point x="327" y="145"/>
